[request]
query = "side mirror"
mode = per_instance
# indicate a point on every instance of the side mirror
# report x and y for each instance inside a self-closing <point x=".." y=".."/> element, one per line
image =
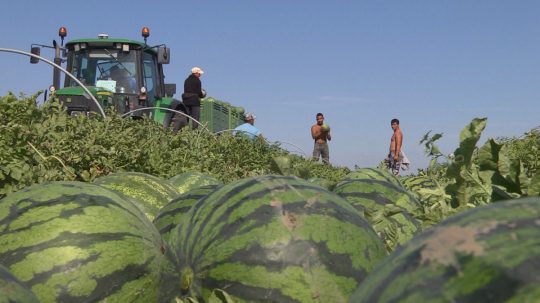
<point x="35" y="50"/>
<point x="164" y="55"/>
<point x="170" y="89"/>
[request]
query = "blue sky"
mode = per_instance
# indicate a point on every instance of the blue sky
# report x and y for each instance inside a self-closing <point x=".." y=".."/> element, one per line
<point x="435" y="65"/>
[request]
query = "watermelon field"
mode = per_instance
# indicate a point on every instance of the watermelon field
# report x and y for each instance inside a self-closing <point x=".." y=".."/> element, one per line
<point x="120" y="210"/>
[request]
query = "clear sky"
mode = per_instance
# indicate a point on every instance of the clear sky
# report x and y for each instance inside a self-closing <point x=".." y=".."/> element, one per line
<point x="435" y="65"/>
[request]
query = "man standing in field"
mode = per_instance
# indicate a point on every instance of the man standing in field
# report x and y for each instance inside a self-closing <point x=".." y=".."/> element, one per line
<point x="248" y="129"/>
<point x="193" y="93"/>
<point x="396" y="157"/>
<point x="320" y="132"/>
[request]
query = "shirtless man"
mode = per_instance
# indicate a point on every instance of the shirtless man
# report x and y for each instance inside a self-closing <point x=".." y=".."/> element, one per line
<point x="320" y="148"/>
<point x="394" y="156"/>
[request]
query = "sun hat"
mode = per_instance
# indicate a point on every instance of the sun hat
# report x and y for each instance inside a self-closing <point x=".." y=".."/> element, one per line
<point x="197" y="70"/>
<point x="249" y="116"/>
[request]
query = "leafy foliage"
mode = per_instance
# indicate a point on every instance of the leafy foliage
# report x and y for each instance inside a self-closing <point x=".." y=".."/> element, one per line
<point x="470" y="185"/>
<point x="471" y="176"/>
<point x="43" y="143"/>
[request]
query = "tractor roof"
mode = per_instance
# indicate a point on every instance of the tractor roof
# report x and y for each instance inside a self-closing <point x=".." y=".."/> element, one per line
<point x="107" y="42"/>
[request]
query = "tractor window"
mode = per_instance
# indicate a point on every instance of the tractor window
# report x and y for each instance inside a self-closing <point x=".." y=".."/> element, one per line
<point x="91" y="66"/>
<point x="149" y="75"/>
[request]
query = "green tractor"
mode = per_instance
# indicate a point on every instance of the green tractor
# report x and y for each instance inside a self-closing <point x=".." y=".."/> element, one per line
<point x="127" y="75"/>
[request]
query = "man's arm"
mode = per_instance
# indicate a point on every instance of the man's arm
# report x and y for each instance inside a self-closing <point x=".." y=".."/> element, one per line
<point x="315" y="132"/>
<point x="398" y="142"/>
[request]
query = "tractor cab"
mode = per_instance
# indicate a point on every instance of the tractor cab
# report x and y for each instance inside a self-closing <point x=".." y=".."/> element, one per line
<point x="122" y="73"/>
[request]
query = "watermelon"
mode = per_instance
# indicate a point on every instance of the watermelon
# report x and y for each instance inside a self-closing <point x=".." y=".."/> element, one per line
<point x="325" y="128"/>
<point x="487" y="254"/>
<point x="425" y="188"/>
<point x="13" y="290"/>
<point x="323" y="182"/>
<point x="170" y="215"/>
<point x="185" y="181"/>
<point x="372" y="173"/>
<point x="372" y="193"/>
<point x="149" y="192"/>
<point x="274" y="239"/>
<point x="79" y="242"/>
<point x="387" y="207"/>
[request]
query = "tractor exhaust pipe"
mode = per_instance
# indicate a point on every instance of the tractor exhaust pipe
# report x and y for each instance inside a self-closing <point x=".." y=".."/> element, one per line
<point x="57" y="61"/>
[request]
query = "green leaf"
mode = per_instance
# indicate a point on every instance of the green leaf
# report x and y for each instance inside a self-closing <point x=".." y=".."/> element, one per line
<point x="220" y="296"/>
<point x="470" y="186"/>
<point x="534" y="186"/>
<point x="281" y="165"/>
<point x="488" y="155"/>
<point x="468" y="137"/>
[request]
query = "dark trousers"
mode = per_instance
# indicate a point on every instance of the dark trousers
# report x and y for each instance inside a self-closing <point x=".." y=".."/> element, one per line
<point x="179" y="120"/>
<point x="169" y="115"/>
<point x="195" y="112"/>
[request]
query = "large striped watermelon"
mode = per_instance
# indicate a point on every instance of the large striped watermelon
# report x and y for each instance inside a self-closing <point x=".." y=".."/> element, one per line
<point x="375" y="194"/>
<point x="387" y="207"/>
<point x="275" y="239"/>
<point x="149" y="192"/>
<point x="170" y="215"/>
<point x="487" y="254"/>
<point x="14" y="291"/>
<point x="79" y="242"/>
<point x="189" y="180"/>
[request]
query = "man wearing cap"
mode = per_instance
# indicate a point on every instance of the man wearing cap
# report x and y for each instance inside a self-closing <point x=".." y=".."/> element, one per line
<point x="248" y="129"/>
<point x="193" y="93"/>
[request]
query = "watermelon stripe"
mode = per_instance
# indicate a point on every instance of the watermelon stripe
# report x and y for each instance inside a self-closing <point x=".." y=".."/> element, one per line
<point x="14" y="291"/>
<point x="82" y="240"/>
<point x="343" y="265"/>
<point x="487" y="254"/>
<point x="228" y="194"/>
<point x="225" y="216"/>
<point x="251" y="293"/>
<point x="292" y="207"/>
<point x="372" y="174"/>
<point x="375" y="184"/>
<point x="129" y="273"/>
<point x="148" y="192"/>
<point x="174" y="211"/>
<point x="171" y="214"/>
<point x="274" y="286"/>
<point x="380" y="192"/>
<point x="78" y="204"/>
<point x="375" y="197"/>
<point x="75" y="242"/>
<point x="276" y="235"/>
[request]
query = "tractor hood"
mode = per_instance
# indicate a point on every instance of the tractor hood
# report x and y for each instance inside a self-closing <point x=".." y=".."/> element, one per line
<point x="76" y="99"/>
<point x="79" y="91"/>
